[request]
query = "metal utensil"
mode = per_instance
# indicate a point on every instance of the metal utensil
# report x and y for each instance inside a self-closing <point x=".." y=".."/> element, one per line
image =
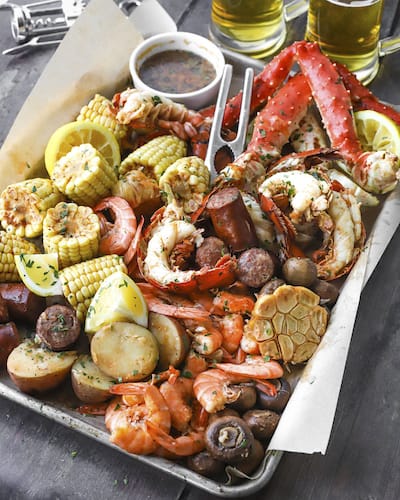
<point x="36" y="41"/>
<point x="216" y="143"/>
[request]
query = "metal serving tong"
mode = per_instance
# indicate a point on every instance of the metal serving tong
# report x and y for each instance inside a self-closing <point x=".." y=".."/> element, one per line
<point x="216" y="143"/>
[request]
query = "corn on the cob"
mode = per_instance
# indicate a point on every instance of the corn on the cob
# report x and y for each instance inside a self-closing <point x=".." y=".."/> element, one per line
<point x="99" y="110"/>
<point x="10" y="245"/>
<point x="155" y="156"/>
<point x="23" y="206"/>
<point x="138" y="190"/>
<point x="187" y="180"/>
<point x="71" y="231"/>
<point x="84" y="175"/>
<point x="81" y="281"/>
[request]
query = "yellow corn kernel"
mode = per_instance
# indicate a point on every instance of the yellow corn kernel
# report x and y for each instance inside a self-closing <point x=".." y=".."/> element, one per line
<point x="155" y="156"/>
<point x="78" y="293"/>
<point x="84" y="175"/>
<point x="10" y="245"/>
<point x="71" y="231"/>
<point x="99" y="110"/>
<point x="187" y="180"/>
<point x="23" y="206"/>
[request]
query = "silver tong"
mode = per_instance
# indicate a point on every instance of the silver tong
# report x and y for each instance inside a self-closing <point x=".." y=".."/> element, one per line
<point x="216" y="142"/>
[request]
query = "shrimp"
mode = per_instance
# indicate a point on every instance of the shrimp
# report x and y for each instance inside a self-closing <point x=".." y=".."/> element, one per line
<point x="116" y="235"/>
<point x="127" y="423"/>
<point x="212" y="391"/>
<point x="211" y="387"/>
<point x="255" y="367"/>
<point x="182" y="446"/>
<point x="228" y="303"/>
<point x="169" y="304"/>
<point x="195" y="363"/>
<point x="178" y="396"/>
<point x="207" y="339"/>
<point x="232" y="326"/>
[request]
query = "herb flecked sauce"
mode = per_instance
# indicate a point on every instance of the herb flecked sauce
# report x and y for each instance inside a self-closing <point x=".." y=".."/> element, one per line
<point x="176" y="71"/>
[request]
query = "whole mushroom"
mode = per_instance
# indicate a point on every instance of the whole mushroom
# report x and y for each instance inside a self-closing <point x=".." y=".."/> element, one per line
<point x="229" y="439"/>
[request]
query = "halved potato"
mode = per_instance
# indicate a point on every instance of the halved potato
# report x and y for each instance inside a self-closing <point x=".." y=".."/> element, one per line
<point x="34" y="368"/>
<point x="173" y="341"/>
<point x="125" y="351"/>
<point x="90" y="384"/>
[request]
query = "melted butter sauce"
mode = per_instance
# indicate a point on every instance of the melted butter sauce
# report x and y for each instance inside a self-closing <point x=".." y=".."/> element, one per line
<point x="176" y="71"/>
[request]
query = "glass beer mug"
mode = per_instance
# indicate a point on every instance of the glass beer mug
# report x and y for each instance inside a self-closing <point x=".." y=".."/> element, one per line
<point x="254" y="27"/>
<point x="348" y="32"/>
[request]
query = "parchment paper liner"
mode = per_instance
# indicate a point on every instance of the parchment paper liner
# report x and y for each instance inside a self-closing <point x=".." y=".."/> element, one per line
<point x="93" y="57"/>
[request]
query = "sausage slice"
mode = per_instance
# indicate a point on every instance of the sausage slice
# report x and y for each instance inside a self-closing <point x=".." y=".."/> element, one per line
<point x="58" y="327"/>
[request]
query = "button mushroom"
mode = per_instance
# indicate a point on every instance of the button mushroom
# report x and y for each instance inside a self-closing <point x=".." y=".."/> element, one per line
<point x="278" y="401"/>
<point x="261" y="422"/>
<point x="229" y="439"/>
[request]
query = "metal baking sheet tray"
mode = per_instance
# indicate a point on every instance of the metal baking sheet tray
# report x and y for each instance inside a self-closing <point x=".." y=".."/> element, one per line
<point x="60" y="404"/>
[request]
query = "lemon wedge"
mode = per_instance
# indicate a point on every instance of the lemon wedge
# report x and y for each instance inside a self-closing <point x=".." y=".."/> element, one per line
<point x="377" y="132"/>
<point x="39" y="273"/>
<point x="117" y="299"/>
<point x="77" y="133"/>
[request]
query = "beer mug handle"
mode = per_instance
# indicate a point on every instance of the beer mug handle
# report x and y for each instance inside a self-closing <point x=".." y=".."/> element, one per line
<point x="389" y="45"/>
<point x="294" y="8"/>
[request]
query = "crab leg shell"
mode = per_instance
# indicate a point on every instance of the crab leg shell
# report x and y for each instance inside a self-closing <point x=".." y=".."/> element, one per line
<point x="362" y="98"/>
<point x="264" y="85"/>
<point x="375" y="171"/>
<point x="276" y="122"/>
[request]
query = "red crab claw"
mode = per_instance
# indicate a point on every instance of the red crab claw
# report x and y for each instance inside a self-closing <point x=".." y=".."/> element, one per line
<point x="362" y="98"/>
<point x="375" y="171"/>
<point x="264" y="86"/>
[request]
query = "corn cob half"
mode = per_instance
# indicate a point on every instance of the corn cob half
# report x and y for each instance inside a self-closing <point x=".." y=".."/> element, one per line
<point x="84" y="175"/>
<point x="71" y="231"/>
<point x="187" y="180"/>
<point x="10" y="245"/>
<point x="23" y="206"/>
<point x="155" y="156"/>
<point x="81" y="281"/>
<point x="98" y="110"/>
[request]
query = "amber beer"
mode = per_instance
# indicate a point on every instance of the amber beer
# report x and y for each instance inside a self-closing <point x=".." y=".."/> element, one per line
<point x="250" y="26"/>
<point x="347" y="31"/>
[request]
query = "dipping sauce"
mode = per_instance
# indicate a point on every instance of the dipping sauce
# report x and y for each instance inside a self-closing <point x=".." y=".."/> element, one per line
<point x="177" y="72"/>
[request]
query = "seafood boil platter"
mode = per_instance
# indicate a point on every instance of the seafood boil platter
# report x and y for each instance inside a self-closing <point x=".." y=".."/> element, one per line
<point x="249" y="275"/>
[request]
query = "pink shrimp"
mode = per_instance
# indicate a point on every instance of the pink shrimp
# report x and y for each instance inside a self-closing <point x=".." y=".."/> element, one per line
<point x="232" y="326"/>
<point x="254" y="367"/>
<point x="178" y="397"/>
<point x="211" y="389"/>
<point x="117" y="235"/>
<point x="181" y="446"/>
<point x="127" y="423"/>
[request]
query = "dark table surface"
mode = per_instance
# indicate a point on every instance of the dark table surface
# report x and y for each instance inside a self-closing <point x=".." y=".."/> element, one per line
<point x="41" y="459"/>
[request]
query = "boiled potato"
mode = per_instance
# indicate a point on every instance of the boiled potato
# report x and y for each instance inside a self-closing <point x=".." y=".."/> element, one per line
<point x="36" y="369"/>
<point x="173" y="341"/>
<point x="125" y="351"/>
<point x="90" y="384"/>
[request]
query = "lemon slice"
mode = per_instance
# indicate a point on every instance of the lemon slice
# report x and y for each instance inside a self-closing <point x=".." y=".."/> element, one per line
<point x="117" y="299"/>
<point x="39" y="273"/>
<point x="377" y="132"/>
<point x="76" y="133"/>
